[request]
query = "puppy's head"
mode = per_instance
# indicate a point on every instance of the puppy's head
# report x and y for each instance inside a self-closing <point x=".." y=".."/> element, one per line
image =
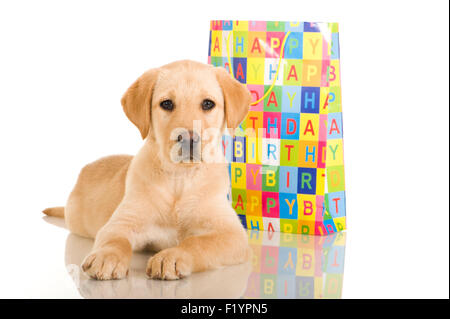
<point x="185" y="106"/>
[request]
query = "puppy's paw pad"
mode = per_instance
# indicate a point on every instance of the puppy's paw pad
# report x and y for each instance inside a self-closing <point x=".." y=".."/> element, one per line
<point x="169" y="264"/>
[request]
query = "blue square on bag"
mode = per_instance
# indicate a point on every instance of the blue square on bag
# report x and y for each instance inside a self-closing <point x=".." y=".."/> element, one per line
<point x="288" y="179"/>
<point x="334" y="126"/>
<point x="227" y="25"/>
<point x="239" y="149"/>
<point x="310" y="99"/>
<point x="293" y="48"/>
<point x="240" y="69"/>
<point x="288" y="206"/>
<point x="290" y="126"/>
<point x="334" y="46"/>
<point x="291" y="97"/>
<point x="306" y="180"/>
<point x="243" y="220"/>
<point x="336" y="204"/>
<point x="294" y="26"/>
<point x="227" y="147"/>
<point x="311" y="27"/>
<point x="329" y="226"/>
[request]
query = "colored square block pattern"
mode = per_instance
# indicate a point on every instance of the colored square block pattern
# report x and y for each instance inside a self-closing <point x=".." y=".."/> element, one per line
<point x="287" y="168"/>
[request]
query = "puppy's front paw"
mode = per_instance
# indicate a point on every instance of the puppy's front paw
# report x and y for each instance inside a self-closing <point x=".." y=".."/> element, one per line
<point x="106" y="264"/>
<point x="170" y="264"/>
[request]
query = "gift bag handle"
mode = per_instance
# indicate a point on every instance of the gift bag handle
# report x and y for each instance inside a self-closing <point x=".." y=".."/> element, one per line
<point x="278" y="67"/>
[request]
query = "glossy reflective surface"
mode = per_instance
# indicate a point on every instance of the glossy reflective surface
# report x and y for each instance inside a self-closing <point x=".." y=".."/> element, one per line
<point x="282" y="266"/>
<point x="40" y="259"/>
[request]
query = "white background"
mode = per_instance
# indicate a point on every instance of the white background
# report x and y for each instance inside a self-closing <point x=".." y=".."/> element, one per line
<point x="64" y="66"/>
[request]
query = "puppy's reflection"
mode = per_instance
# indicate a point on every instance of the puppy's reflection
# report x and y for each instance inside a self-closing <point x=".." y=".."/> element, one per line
<point x="228" y="282"/>
<point x="282" y="266"/>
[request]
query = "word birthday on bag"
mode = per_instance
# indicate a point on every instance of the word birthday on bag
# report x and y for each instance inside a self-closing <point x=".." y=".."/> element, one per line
<point x="286" y="159"/>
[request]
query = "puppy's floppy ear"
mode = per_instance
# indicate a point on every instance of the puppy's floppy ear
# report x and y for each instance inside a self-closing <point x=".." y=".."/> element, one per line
<point x="236" y="95"/>
<point x="137" y="99"/>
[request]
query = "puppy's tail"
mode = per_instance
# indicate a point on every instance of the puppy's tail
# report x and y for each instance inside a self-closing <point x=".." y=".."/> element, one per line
<point x="54" y="211"/>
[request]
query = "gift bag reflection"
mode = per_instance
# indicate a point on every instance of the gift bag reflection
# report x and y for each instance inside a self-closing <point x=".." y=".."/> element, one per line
<point x="288" y="265"/>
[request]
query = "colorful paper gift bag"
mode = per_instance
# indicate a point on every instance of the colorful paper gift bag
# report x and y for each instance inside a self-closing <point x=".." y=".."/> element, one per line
<point x="286" y="158"/>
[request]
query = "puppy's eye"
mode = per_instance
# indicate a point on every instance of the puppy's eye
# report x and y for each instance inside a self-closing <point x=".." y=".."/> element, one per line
<point x="167" y="105"/>
<point x="207" y="105"/>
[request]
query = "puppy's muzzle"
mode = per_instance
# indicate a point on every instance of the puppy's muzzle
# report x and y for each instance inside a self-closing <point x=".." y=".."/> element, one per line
<point x="190" y="146"/>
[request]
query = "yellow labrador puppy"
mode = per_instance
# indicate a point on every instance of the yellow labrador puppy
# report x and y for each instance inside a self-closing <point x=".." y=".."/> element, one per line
<point x="171" y="196"/>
